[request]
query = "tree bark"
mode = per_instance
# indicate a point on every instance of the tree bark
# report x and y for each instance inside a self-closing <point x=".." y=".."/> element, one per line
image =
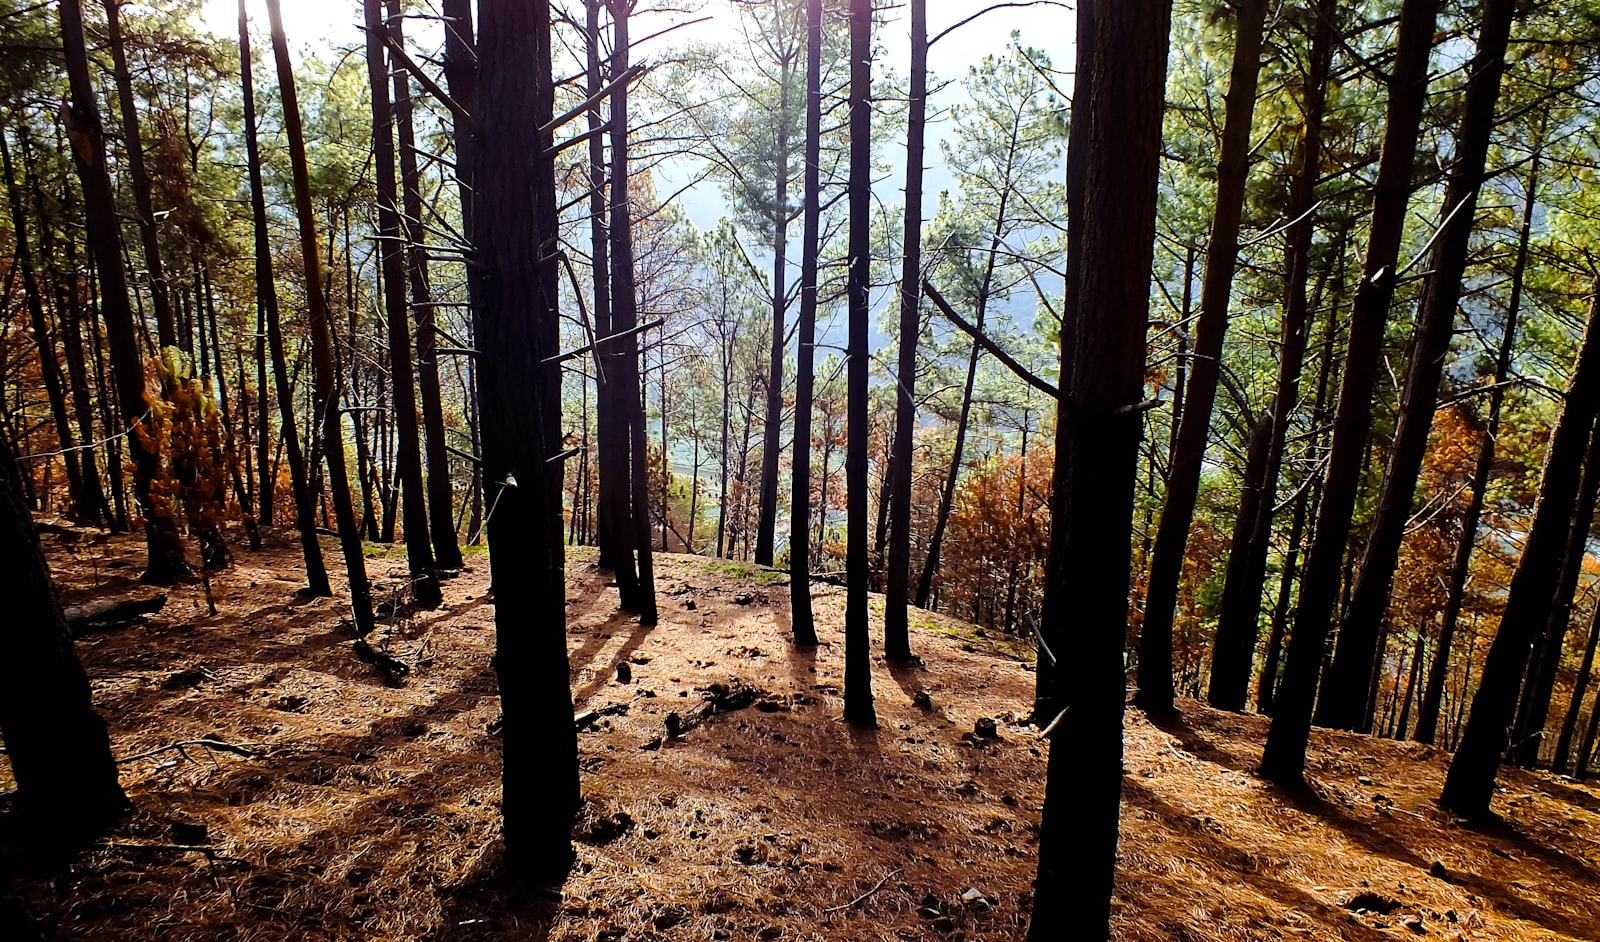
<point x="800" y="613"/>
<point x="1239" y="625"/>
<point x="267" y="306"/>
<point x="1194" y="428"/>
<point x="166" y="328"/>
<point x="858" y="707"/>
<point x="60" y="753"/>
<point x="1569" y="725"/>
<point x="1047" y="700"/>
<point x="1100" y="432"/>
<point x="441" y="501"/>
<point x="392" y="254"/>
<point x="1283" y="760"/>
<point x="1533" y="707"/>
<point x="1461" y="567"/>
<point x="1470" y="781"/>
<point x="772" y="427"/>
<point x="166" y="562"/>
<point x="520" y="396"/>
<point x="627" y="352"/>
<point x="325" y="395"/>
<point x="1344" y="703"/>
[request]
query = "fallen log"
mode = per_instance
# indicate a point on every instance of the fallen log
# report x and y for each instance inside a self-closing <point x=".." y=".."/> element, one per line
<point x="109" y="614"/>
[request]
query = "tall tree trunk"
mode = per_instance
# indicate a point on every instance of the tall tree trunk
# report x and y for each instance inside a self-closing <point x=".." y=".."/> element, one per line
<point x="772" y="427"/>
<point x="1283" y="760"/>
<point x="1194" y="428"/>
<point x="628" y="350"/>
<point x="1569" y="725"/>
<point x="139" y="178"/>
<point x="1246" y="574"/>
<point x="1100" y="431"/>
<point x="267" y="304"/>
<point x="1533" y="707"/>
<point x="49" y="366"/>
<point x="325" y="396"/>
<point x="461" y="78"/>
<point x="1344" y="702"/>
<point x="520" y="394"/>
<point x="800" y="614"/>
<point x="1417" y="655"/>
<point x="896" y="626"/>
<point x="165" y="546"/>
<point x="1048" y="700"/>
<point x="858" y="707"/>
<point x="68" y="317"/>
<point x="441" y="502"/>
<point x="617" y="532"/>
<point x="392" y="253"/>
<point x="1461" y="567"/>
<point x="59" y="751"/>
<point x="1234" y="652"/>
<point x="1470" y="782"/>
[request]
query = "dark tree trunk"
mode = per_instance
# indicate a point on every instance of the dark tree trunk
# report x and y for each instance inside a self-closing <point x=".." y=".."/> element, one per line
<point x="520" y="396"/>
<point x="800" y="615"/>
<point x="1267" y="685"/>
<point x="617" y="532"/>
<point x="772" y="427"/>
<point x="1470" y="782"/>
<point x="325" y="397"/>
<point x="1533" y="707"/>
<point x="49" y="365"/>
<point x="1047" y="700"/>
<point x="461" y="78"/>
<point x="134" y="153"/>
<point x="68" y="315"/>
<point x="1194" y="428"/>
<point x="858" y="707"/>
<point x="391" y="251"/>
<point x="166" y="563"/>
<point x="441" y="502"/>
<point x="1283" y="760"/>
<point x="1090" y="575"/>
<point x="60" y="754"/>
<point x="628" y="351"/>
<point x="1234" y="652"/>
<point x="1399" y="731"/>
<point x="267" y="306"/>
<point x="1461" y="567"/>
<point x="1247" y="562"/>
<point x="1569" y="725"/>
<point x="1344" y="702"/>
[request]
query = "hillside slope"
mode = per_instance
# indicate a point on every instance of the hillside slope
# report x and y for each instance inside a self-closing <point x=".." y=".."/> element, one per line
<point x="365" y="808"/>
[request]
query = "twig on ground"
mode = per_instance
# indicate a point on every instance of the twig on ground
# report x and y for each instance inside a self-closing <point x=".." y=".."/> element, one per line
<point x="215" y="745"/>
<point x="875" y="888"/>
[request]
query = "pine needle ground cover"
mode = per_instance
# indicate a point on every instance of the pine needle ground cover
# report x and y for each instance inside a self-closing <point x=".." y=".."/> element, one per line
<point x="358" y="806"/>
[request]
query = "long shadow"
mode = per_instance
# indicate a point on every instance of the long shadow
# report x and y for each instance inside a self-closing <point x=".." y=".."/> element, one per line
<point x="1375" y="841"/>
<point x="908" y="675"/>
<point x="1196" y="744"/>
<point x="601" y="678"/>
<point x="1212" y="849"/>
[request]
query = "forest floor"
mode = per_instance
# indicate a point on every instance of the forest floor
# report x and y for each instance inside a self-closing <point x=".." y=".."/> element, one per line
<point x="366" y="808"/>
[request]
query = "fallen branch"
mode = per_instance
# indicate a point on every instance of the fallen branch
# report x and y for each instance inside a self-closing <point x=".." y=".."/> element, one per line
<point x="215" y="745"/>
<point x="107" y="614"/>
<point x="589" y="716"/>
<point x="875" y="888"/>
